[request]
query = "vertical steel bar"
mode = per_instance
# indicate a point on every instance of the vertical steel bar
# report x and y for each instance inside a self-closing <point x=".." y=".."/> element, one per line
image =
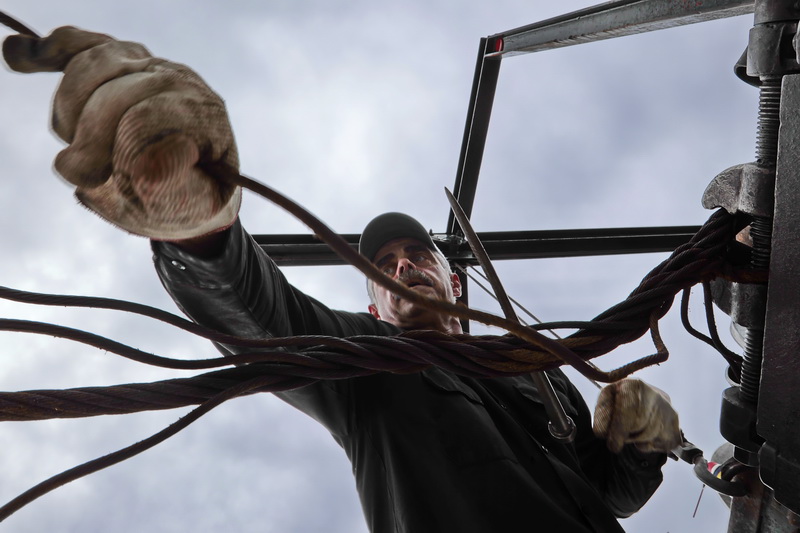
<point x="484" y="84"/>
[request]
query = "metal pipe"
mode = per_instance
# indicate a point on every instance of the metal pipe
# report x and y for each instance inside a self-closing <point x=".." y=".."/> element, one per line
<point x="615" y="19"/>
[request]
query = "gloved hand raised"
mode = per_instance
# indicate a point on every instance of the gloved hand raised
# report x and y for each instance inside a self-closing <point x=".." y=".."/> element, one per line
<point x="137" y="126"/>
<point x="631" y="411"/>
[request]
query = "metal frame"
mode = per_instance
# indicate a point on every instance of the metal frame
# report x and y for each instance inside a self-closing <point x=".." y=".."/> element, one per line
<point x="604" y="21"/>
<point x="768" y="446"/>
<point x="306" y="250"/>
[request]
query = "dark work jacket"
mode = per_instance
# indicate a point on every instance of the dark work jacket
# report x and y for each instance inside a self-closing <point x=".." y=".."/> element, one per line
<point x="432" y="452"/>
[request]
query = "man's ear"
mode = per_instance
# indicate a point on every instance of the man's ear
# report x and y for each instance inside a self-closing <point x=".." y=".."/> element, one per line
<point x="374" y="311"/>
<point x="455" y="281"/>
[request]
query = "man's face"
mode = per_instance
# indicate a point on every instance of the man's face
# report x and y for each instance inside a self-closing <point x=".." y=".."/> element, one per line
<point x="410" y="262"/>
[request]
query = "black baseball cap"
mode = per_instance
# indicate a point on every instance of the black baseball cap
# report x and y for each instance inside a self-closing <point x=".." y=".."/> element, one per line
<point x="388" y="226"/>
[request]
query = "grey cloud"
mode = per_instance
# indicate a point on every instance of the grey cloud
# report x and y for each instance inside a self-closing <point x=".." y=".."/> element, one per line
<point x="359" y="105"/>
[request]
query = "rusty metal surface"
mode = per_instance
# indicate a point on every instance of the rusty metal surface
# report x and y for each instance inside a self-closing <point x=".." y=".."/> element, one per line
<point x="758" y="512"/>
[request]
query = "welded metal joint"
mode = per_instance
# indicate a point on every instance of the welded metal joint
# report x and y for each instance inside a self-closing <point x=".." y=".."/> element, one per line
<point x="453" y="246"/>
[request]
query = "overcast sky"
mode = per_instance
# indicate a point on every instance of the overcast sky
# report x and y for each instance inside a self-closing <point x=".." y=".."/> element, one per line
<point x="355" y="108"/>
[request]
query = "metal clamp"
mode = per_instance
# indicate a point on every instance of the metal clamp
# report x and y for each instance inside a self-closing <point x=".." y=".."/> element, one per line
<point x="747" y="188"/>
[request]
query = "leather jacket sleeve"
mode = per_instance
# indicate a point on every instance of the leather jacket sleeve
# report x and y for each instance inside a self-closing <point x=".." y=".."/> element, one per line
<point x="242" y="292"/>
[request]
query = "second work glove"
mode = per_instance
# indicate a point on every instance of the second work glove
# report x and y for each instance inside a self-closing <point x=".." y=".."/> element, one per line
<point x="137" y="128"/>
<point x="632" y="412"/>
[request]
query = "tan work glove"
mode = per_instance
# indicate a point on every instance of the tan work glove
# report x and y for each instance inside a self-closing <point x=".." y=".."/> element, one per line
<point x="631" y="411"/>
<point x="136" y="126"/>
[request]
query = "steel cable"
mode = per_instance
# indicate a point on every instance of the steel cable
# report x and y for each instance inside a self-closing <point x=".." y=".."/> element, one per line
<point x="317" y="357"/>
<point x="16" y="25"/>
<point x="273" y="370"/>
<point x="268" y="368"/>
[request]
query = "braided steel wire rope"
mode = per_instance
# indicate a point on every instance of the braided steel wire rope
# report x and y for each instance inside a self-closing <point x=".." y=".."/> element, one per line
<point x="16" y="25"/>
<point x="118" y="456"/>
<point x="482" y="356"/>
<point x="317" y="358"/>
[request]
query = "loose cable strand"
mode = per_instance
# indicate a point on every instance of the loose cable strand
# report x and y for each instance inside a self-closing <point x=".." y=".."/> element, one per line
<point x="734" y="359"/>
<point x="492" y="295"/>
<point x="260" y="382"/>
<point x="651" y="288"/>
<point x="111" y="459"/>
<point x="520" y="306"/>
<point x="346" y="252"/>
<point x="10" y="22"/>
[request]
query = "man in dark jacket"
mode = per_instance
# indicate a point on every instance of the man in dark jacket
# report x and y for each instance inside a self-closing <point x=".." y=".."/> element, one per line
<point x="431" y="451"/>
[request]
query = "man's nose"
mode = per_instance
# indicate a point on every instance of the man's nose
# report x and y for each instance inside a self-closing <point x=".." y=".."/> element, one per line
<point x="402" y="265"/>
